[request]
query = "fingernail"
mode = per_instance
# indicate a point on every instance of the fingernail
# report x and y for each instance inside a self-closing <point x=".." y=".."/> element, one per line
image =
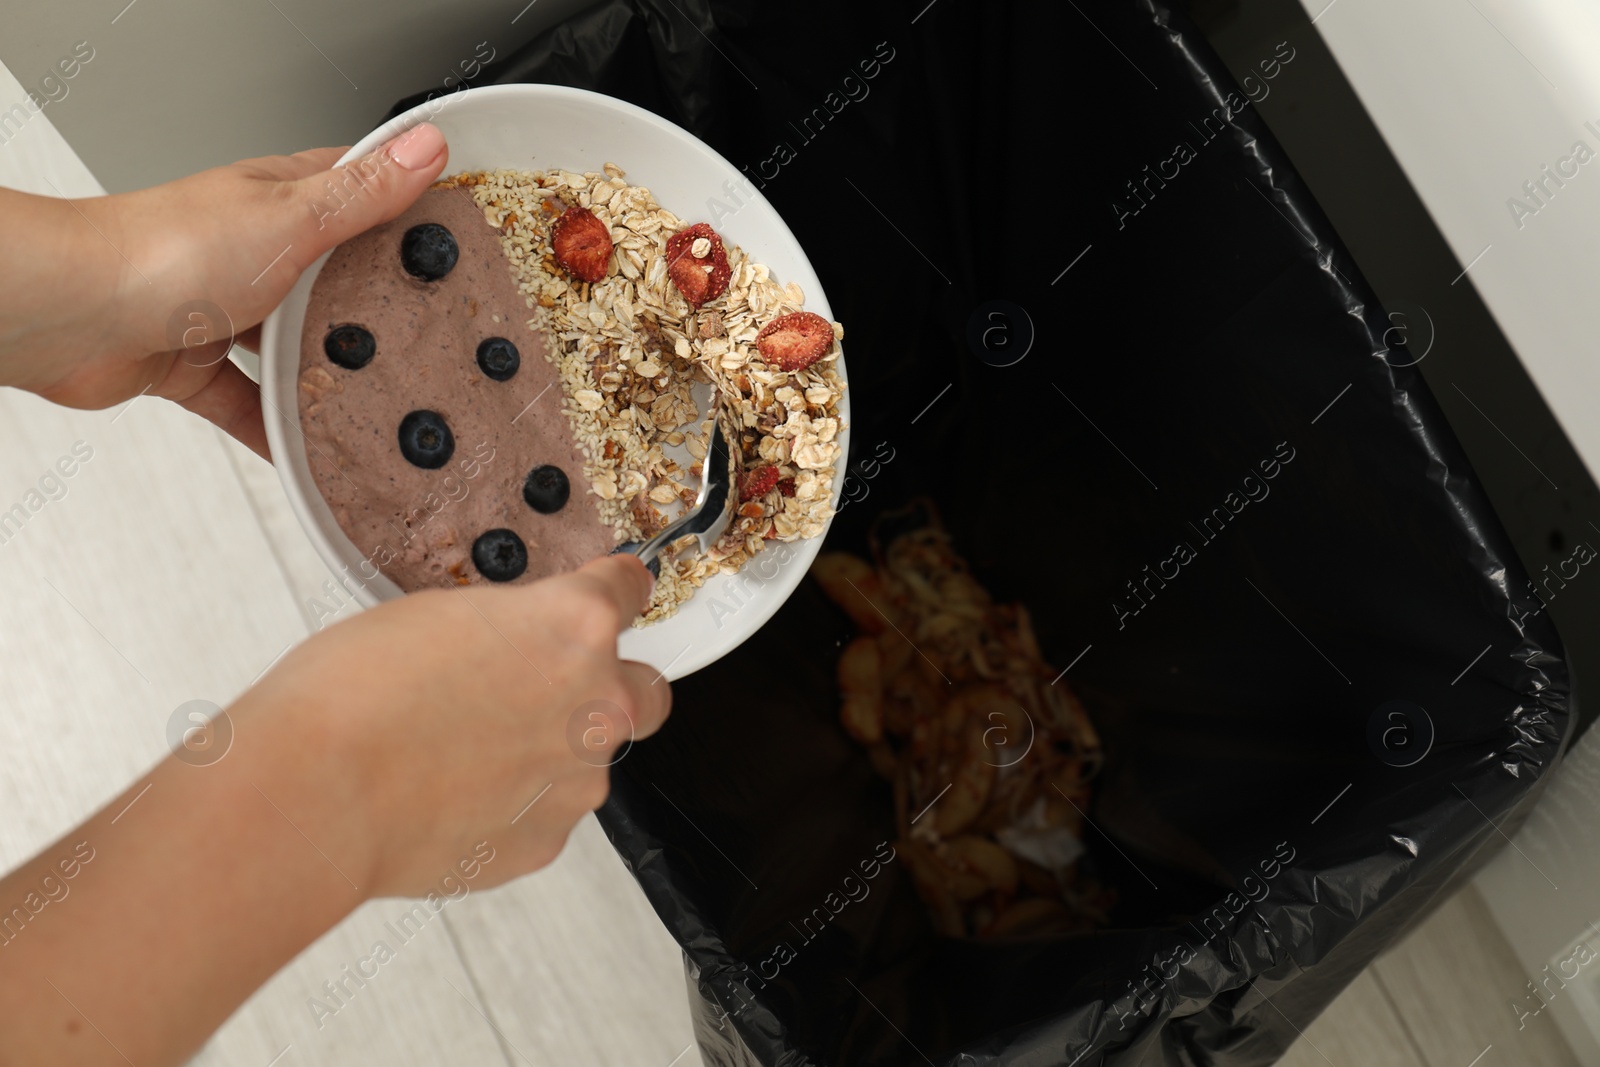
<point x="417" y="147"/>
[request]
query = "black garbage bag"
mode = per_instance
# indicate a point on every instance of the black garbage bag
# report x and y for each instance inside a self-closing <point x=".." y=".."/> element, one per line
<point x="1094" y="314"/>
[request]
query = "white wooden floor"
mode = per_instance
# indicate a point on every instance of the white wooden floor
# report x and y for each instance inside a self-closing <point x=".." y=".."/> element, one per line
<point x="1440" y="998"/>
<point x="172" y="570"/>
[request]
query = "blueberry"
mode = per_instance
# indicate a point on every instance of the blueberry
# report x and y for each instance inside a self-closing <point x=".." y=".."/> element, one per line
<point x="350" y="346"/>
<point x="428" y="251"/>
<point x="546" y="489"/>
<point x="426" y="440"/>
<point x="500" y="555"/>
<point x="498" y="358"/>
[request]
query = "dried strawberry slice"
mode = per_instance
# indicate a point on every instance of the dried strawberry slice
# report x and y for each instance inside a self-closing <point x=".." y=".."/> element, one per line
<point x="582" y="243"/>
<point x="758" y="483"/>
<point x="698" y="278"/>
<point x="795" y="340"/>
<point x="786" y="486"/>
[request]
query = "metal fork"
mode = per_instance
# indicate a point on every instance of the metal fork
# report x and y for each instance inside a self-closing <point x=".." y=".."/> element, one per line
<point x="708" y="518"/>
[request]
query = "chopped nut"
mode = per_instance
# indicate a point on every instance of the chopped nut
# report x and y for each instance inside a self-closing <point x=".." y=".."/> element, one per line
<point x="317" y="383"/>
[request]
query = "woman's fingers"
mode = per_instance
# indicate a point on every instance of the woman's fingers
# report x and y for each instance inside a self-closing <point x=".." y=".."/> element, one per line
<point x="373" y="189"/>
<point x="652" y="697"/>
<point x="332" y="205"/>
<point x="233" y="402"/>
<point x="623" y="582"/>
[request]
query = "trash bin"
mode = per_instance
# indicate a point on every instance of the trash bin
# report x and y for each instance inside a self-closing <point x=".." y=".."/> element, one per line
<point x="1095" y="316"/>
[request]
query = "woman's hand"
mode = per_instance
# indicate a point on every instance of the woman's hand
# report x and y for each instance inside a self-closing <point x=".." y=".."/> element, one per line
<point x="428" y="724"/>
<point x="429" y="738"/>
<point x="115" y="296"/>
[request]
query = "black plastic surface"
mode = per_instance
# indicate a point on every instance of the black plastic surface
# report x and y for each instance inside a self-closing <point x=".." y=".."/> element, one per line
<point x="1194" y="325"/>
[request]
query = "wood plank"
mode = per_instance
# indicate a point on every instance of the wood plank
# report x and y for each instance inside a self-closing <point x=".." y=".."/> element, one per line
<point x="418" y="1007"/>
<point x="308" y="579"/>
<point x="575" y="965"/>
<point x="140" y="588"/>
<point x="1545" y="893"/>
<point x="36" y="158"/>
<point x="1453" y="981"/>
<point x="1359" y="1029"/>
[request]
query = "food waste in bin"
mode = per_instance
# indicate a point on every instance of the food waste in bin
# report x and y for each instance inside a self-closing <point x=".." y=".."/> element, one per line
<point x="989" y="751"/>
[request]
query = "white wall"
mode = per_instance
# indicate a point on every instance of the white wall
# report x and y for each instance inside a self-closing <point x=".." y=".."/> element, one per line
<point x="176" y="86"/>
<point x="1473" y="98"/>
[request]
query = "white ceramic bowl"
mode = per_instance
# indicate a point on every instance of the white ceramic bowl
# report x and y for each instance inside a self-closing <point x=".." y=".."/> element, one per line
<point x="549" y="127"/>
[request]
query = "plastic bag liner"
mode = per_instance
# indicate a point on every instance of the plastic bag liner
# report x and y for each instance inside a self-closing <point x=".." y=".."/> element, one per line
<point x="1234" y="510"/>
